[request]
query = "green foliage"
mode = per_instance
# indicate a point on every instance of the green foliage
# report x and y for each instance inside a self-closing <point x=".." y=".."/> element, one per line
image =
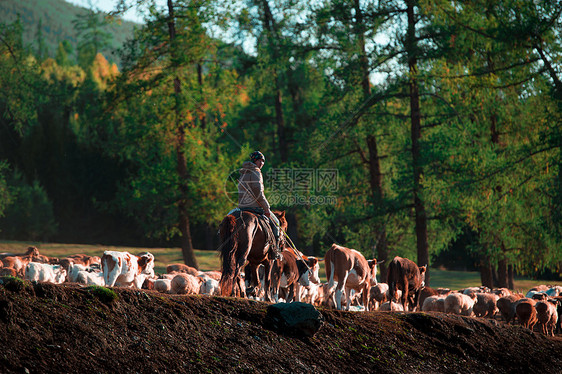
<point x="64" y="51"/>
<point x="91" y="29"/>
<point x="57" y="18"/>
<point x="181" y="115"/>
<point x="30" y="213"/>
<point x="104" y="294"/>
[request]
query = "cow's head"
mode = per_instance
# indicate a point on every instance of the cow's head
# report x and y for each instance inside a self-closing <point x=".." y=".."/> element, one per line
<point x="32" y="251"/>
<point x="314" y="266"/>
<point x="422" y="275"/>
<point x="282" y="219"/>
<point x="146" y="263"/>
<point x="60" y="273"/>
<point x="373" y="269"/>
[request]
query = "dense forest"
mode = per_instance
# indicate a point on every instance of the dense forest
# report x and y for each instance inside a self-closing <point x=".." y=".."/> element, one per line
<point x="428" y="129"/>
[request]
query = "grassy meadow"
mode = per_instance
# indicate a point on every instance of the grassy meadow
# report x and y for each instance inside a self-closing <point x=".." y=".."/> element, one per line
<point x="209" y="260"/>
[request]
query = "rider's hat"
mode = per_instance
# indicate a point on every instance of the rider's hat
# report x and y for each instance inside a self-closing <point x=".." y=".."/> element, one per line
<point x="257" y="155"/>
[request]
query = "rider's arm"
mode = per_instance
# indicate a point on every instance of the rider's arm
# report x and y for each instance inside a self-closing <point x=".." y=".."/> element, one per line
<point x="260" y="196"/>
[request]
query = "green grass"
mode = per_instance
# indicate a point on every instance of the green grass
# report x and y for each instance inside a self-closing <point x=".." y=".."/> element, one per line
<point x="209" y="260"/>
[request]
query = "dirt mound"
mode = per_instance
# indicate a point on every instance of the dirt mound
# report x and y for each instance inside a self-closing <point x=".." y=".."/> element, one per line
<point x="48" y="328"/>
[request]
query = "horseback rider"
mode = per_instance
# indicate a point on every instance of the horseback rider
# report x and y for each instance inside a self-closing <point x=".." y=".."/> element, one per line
<point x="251" y="196"/>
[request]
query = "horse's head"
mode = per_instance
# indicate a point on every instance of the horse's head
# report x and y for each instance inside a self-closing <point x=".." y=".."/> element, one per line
<point x="281" y="217"/>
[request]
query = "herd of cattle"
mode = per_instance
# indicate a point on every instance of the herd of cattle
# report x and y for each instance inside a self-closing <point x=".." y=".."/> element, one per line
<point x="351" y="284"/>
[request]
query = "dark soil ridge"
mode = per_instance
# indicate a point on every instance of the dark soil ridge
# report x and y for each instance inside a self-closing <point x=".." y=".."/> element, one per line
<point x="47" y="328"/>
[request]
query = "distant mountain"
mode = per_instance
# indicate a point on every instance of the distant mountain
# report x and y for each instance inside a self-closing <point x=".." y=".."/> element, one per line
<point x="55" y="18"/>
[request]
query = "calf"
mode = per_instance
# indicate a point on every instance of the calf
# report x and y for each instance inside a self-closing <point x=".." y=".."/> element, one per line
<point x="554" y="291"/>
<point x="405" y="275"/>
<point x="311" y="293"/>
<point x="73" y="270"/>
<point x="126" y="270"/>
<point x="547" y="316"/>
<point x="352" y="271"/>
<point x="85" y="260"/>
<point x="457" y="303"/>
<point x="506" y="306"/>
<point x="472" y="291"/>
<point x="181" y="268"/>
<point x="434" y="303"/>
<point x="291" y="272"/>
<point x="163" y="285"/>
<point x="30" y="252"/>
<point x="391" y="306"/>
<point x="90" y="278"/>
<point x="17" y="263"/>
<point x="38" y="272"/>
<point x="216" y="275"/>
<point x="526" y="312"/>
<point x="485" y="305"/>
<point x="501" y="292"/>
<point x="184" y="284"/>
<point x="379" y="295"/>
<point x="209" y="286"/>
<point x="428" y="291"/>
<point x="559" y="312"/>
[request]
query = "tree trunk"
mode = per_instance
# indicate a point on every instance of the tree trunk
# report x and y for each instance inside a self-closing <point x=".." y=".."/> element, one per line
<point x="415" y="119"/>
<point x="378" y="194"/>
<point x="502" y="273"/>
<point x="181" y="167"/>
<point x="486" y="272"/>
<point x="510" y="277"/>
<point x="200" y="82"/>
<point x="269" y="26"/>
<point x="209" y="237"/>
<point x="375" y="175"/>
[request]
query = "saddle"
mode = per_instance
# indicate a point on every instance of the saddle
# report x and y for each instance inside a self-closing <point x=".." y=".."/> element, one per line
<point x="264" y="224"/>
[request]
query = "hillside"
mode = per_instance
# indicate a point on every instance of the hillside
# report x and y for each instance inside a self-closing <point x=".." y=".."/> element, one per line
<point x="47" y="328"/>
<point x="56" y="18"/>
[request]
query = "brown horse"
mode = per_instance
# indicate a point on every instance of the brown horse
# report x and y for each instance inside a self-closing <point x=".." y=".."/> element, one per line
<point x="244" y="240"/>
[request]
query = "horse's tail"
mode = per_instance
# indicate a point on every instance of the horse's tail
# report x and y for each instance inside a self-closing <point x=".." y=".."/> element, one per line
<point x="229" y="244"/>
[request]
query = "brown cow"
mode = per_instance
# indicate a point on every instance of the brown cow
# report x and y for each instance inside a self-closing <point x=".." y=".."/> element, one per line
<point x="506" y="306"/>
<point x="181" y="268"/>
<point x="17" y="263"/>
<point x="290" y="271"/>
<point x="31" y="252"/>
<point x="405" y="275"/>
<point x="526" y="312"/>
<point x="352" y="271"/>
<point x="547" y="316"/>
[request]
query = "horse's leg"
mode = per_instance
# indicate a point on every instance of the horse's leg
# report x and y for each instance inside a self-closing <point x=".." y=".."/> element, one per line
<point x="267" y="279"/>
<point x="244" y="246"/>
<point x="254" y="281"/>
<point x="276" y="280"/>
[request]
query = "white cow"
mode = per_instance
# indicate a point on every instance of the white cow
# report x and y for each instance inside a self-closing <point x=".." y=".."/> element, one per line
<point x="90" y="278"/>
<point x="209" y="286"/>
<point x="73" y="270"/>
<point x="35" y="271"/>
<point x="163" y="285"/>
<point x="126" y="270"/>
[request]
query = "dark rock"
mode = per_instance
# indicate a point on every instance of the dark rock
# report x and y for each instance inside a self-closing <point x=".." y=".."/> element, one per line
<point x="299" y="319"/>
